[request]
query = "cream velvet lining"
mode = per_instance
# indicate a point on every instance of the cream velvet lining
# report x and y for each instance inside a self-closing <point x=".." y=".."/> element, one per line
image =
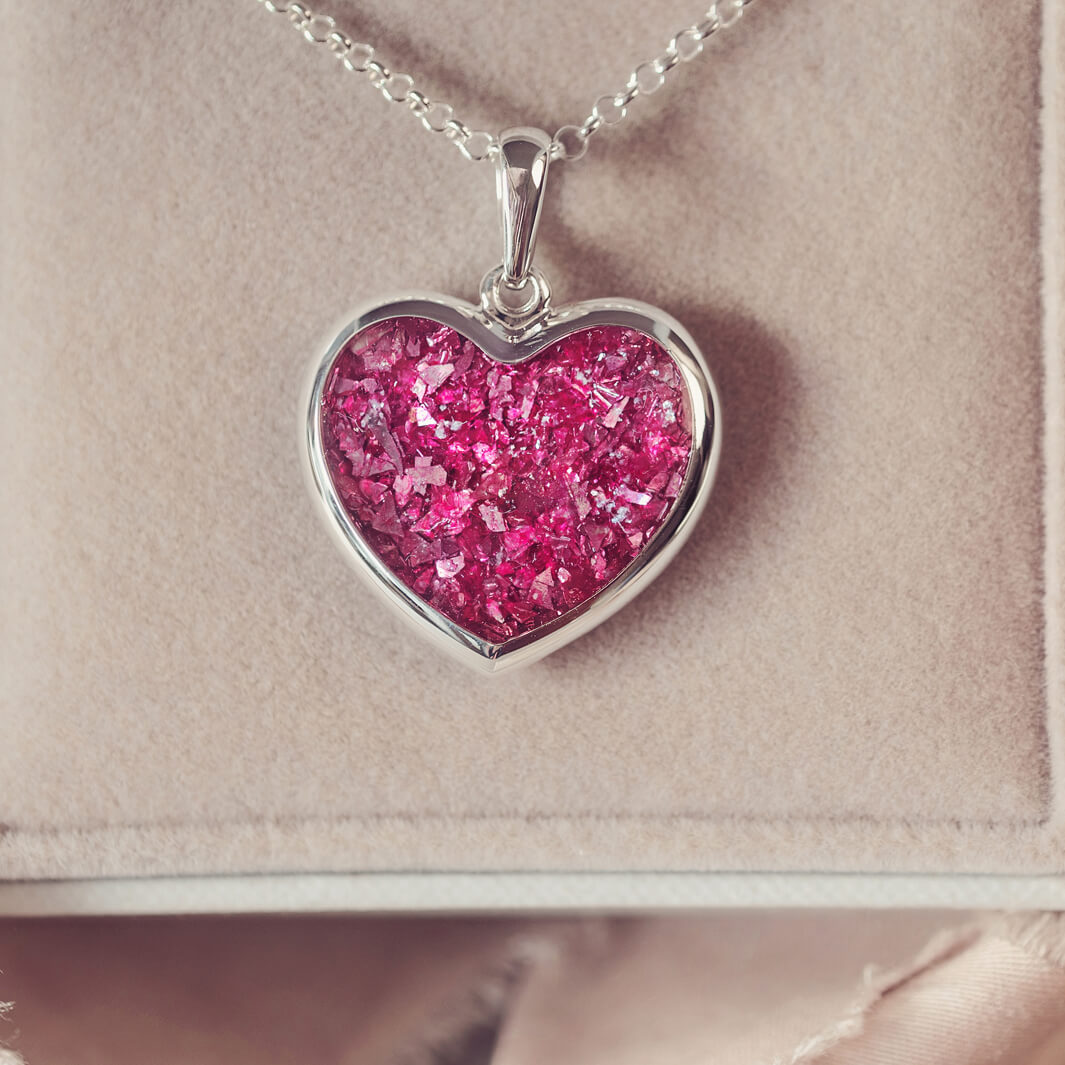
<point x="856" y="664"/>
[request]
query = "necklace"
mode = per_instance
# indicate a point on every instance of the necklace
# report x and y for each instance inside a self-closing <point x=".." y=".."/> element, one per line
<point x="508" y="473"/>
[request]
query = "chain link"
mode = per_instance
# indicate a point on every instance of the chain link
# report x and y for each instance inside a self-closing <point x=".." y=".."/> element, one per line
<point x="570" y="142"/>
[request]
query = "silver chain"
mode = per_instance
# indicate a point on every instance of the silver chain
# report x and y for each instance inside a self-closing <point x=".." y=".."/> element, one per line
<point x="570" y="142"/>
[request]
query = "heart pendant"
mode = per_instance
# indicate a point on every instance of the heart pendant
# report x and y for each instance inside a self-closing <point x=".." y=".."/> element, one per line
<point x="510" y="474"/>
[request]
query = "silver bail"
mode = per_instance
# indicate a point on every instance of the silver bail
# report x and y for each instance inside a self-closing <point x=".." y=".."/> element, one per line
<point x="521" y="173"/>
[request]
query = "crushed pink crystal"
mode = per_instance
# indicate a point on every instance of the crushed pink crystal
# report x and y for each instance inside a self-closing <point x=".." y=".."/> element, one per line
<point x="505" y="496"/>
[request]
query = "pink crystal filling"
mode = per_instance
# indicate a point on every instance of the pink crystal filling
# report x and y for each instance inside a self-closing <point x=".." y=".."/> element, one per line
<point x="505" y="496"/>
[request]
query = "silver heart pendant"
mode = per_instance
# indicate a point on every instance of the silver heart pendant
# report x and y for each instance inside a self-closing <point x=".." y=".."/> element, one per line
<point x="509" y="474"/>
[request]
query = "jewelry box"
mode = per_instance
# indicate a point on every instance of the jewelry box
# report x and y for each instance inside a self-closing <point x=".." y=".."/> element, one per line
<point x="848" y="687"/>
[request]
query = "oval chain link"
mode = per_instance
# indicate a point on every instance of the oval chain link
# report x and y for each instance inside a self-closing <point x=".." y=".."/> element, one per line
<point x="570" y="142"/>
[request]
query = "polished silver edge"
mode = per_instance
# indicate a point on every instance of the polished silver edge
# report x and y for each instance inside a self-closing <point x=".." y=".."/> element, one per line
<point x="468" y="320"/>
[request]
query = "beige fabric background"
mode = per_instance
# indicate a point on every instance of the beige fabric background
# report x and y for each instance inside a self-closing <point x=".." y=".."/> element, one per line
<point x="732" y="988"/>
<point x="785" y="989"/>
<point x="857" y="661"/>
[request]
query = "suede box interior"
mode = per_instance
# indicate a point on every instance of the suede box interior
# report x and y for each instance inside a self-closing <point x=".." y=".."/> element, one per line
<point x="856" y="661"/>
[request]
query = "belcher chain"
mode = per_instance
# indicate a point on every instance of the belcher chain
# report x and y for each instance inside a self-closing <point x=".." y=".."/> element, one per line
<point x="570" y="142"/>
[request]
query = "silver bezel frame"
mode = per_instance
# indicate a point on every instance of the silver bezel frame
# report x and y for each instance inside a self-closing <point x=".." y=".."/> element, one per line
<point x="502" y="344"/>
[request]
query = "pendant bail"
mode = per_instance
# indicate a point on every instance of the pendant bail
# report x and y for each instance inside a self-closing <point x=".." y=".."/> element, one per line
<point x="521" y="173"/>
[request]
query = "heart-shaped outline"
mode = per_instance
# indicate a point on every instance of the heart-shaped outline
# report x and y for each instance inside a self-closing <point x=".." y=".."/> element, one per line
<point x="499" y="343"/>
